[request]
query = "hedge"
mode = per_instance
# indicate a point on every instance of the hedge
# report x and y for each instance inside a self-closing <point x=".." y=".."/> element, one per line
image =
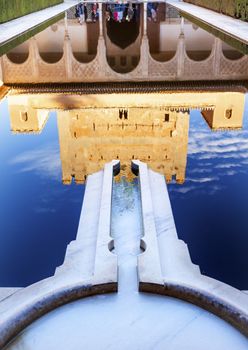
<point x="234" y="8"/>
<point x="10" y="9"/>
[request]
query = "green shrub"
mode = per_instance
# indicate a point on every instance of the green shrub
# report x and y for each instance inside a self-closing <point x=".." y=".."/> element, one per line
<point x="242" y="9"/>
<point x="228" y="7"/>
<point x="234" y="8"/>
<point x="10" y="9"/>
<point x="215" y="4"/>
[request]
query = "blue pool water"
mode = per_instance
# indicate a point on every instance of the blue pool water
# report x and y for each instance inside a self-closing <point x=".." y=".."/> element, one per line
<point x="210" y="208"/>
<point x="38" y="214"/>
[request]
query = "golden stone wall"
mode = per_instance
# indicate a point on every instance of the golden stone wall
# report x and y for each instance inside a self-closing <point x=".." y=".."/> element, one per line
<point x="89" y="138"/>
<point x="96" y="128"/>
<point x="228" y="112"/>
<point x="25" y="119"/>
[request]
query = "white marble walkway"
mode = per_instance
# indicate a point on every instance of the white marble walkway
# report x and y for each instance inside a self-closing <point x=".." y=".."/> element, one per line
<point x="236" y="28"/>
<point x="129" y="319"/>
<point x="21" y="25"/>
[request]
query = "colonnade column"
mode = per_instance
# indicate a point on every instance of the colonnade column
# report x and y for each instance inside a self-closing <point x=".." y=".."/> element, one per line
<point x="182" y="25"/>
<point x="181" y="51"/>
<point x="100" y="20"/>
<point x="66" y="22"/>
<point x="217" y="51"/>
<point x="144" y="18"/>
<point x="67" y="51"/>
<point x="101" y="48"/>
<point x="144" y="49"/>
<point x="34" y="53"/>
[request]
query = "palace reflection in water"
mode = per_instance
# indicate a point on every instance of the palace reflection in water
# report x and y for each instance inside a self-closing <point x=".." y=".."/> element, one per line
<point x="143" y="48"/>
<point x="94" y="129"/>
<point x="126" y="81"/>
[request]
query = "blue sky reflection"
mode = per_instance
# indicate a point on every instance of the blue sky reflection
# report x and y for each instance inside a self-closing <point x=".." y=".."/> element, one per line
<point x="210" y="209"/>
<point x="38" y="214"/>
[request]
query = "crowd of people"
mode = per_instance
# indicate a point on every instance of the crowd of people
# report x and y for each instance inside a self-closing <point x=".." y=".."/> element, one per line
<point x="118" y="12"/>
<point x="122" y="12"/>
<point x="152" y="8"/>
<point x="87" y="12"/>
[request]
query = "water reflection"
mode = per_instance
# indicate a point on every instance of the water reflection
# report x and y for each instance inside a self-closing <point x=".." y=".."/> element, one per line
<point x="39" y="216"/>
<point x="210" y="209"/>
<point x="87" y="12"/>
<point x="168" y="130"/>
<point x="154" y="128"/>
<point x="89" y="138"/>
<point x="116" y="42"/>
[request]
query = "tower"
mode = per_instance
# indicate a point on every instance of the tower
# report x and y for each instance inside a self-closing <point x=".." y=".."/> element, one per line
<point x="23" y="117"/>
<point x="91" y="137"/>
<point x="228" y="112"/>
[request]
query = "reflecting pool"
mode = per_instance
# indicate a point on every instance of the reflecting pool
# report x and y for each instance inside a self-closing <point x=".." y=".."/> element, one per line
<point x="39" y="215"/>
<point x="209" y="209"/>
<point x="123" y="81"/>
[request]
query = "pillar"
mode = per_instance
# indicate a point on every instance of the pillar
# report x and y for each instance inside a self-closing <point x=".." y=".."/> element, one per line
<point x="100" y="19"/>
<point x="144" y="49"/>
<point x="182" y="25"/>
<point x="217" y="52"/>
<point x="144" y="18"/>
<point x="66" y="22"/>
<point x="180" y="55"/>
<point x="35" y="58"/>
<point x="67" y="52"/>
<point x="144" y="56"/>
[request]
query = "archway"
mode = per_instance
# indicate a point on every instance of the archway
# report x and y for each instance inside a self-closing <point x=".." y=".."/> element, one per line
<point x="123" y="36"/>
<point x="123" y="24"/>
<point x="19" y="54"/>
<point x="50" y="43"/>
<point x="231" y="53"/>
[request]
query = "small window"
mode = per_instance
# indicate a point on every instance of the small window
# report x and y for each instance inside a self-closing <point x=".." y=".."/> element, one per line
<point x="24" y="116"/>
<point x="123" y="113"/>
<point x="166" y="117"/>
<point x="229" y="113"/>
<point x="135" y="60"/>
<point x="111" y="61"/>
<point x="123" y="61"/>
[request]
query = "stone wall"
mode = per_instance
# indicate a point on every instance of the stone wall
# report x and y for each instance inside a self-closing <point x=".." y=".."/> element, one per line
<point x="91" y="137"/>
<point x="68" y="69"/>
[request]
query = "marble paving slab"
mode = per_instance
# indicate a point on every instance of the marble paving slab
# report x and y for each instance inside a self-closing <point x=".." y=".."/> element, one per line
<point x="21" y="25"/>
<point x="234" y="27"/>
<point x="166" y="267"/>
